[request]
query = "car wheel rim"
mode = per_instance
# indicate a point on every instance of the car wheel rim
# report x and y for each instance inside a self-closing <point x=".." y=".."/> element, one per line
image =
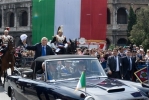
<point x="12" y="95"/>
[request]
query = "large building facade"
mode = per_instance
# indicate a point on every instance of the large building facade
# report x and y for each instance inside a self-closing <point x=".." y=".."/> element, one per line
<point x="117" y="19"/>
<point x="17" y="14"/>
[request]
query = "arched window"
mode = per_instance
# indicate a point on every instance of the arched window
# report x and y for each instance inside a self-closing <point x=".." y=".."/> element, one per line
<point x="121" y="16"/>
<point x="122" y="42"/>
<point x="11" y="20"/>
<point x="108" y="16"/>
<point x="23" y="20"/>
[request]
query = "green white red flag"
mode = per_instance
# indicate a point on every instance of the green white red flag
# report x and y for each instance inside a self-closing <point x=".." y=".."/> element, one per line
<point x="82" y="81"/>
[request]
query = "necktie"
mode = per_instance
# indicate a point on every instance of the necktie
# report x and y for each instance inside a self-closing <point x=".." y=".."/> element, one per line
<point x="130" y="63"/>
<point x="43" y="51"/>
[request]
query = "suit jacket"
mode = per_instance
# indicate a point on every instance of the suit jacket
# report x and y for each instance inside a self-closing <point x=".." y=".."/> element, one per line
<point x="111" y="64"/>
<point x="126" y="65"/>
<point x="121" y="55"/>
<point x="38" y="50"/>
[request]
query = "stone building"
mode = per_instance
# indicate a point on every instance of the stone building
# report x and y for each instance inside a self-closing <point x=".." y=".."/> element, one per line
<point x="17" y="15"/>
<point x="117" y="19"/>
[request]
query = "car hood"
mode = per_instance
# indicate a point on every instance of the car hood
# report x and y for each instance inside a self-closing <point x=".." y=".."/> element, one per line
<point x="102" y="85"/>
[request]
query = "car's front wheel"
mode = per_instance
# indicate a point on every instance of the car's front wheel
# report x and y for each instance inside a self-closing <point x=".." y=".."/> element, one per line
<point x="12" y="95"/>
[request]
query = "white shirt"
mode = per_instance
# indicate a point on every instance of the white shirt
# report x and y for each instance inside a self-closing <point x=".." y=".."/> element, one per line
<point x="130" y="63"/>
<point x="117" y="63"/>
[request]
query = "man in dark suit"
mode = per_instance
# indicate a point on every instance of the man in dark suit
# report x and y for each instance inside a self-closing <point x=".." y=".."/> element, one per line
<point x="114" y="65"/>
<point x="41" y="49"/>
<point x="128" y="65"/>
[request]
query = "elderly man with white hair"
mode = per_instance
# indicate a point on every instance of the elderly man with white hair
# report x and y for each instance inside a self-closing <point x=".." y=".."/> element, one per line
<point x="41" y="49"/>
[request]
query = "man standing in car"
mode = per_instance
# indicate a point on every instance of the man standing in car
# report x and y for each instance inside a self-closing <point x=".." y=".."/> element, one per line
<point x="41" y="49"/>
<point x="114" y="65"/>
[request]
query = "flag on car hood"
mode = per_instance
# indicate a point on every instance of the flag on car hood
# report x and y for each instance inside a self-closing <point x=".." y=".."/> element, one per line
<point x="82" y="81"/>
<point x="141" y="75"/>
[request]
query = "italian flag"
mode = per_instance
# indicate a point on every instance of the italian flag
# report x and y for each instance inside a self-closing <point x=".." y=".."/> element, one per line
<point x="82" y="81"/>
<point x="80" y="18"/>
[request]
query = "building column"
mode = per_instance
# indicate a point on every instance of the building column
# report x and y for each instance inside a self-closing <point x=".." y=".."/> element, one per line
<point x="29" y="16"/>
<point x="15" y="18"/>
<point x="114" y="17"/>
<point x="2" y="17"/>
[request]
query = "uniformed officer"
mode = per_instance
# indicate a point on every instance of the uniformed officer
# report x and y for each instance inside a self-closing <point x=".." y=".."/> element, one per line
<point x="5" y="38"/>
<point x="60" y="41"/>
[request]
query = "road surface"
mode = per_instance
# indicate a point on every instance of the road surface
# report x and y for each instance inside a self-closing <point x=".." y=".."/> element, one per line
<point x="3" y="94"/>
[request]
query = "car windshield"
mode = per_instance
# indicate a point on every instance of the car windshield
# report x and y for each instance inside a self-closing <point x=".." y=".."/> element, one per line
<point x="72" y="68"/>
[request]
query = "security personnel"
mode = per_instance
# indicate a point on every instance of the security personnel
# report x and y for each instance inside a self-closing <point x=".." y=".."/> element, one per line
<point x="5" y="38"/>
<point x="60" y="41"/>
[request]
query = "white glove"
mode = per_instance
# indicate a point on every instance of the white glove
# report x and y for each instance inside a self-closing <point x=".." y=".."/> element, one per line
<point x="66" y="45"/>
<point x="53" y="45"/>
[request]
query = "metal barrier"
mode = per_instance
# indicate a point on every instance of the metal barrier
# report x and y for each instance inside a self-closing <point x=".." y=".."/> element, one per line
<point x="26" y="61"/>
<point x="141" y="65"/>
<point x="104" y="64"/>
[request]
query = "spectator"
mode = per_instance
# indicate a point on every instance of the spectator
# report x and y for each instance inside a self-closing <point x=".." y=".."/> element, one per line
<point x="114" y="65"/>
<point x="128" y="65"/>
<point x="121" y="52"/>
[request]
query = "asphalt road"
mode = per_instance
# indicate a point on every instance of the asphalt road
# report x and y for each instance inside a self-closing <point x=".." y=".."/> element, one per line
<point x="3" y="94"/>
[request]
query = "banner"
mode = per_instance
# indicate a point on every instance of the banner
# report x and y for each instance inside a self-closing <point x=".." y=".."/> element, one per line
<point x="142" y="75"/>
<point x="80" y="18"/>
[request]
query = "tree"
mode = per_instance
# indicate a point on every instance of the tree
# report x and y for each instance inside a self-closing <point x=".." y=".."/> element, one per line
<point x="131" y="22"/>
<point x="112" y="46"/>
<point x="140" y="31"/>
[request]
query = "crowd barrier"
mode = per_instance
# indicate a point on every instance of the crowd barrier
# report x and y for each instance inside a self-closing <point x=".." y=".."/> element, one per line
<point x="103" y="64"/>
<point x="24" y="61"/>
<point x="27" y="61"/>
<point x="140" y="65"/>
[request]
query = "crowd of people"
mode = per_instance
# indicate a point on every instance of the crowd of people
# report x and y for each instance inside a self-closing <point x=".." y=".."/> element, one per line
<point x="121" y="62"/>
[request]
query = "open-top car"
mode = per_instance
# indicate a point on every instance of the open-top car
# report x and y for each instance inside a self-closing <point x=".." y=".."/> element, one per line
<point x="58" y="78"/>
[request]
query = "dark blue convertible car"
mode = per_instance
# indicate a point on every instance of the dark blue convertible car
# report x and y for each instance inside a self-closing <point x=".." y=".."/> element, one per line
<point x="56" y="77"/>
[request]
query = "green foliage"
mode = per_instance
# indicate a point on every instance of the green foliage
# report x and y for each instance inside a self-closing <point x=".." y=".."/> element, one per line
<point x="131" y="22"/>
<point x="112" y="46"/>
<point x="140" y="31"/>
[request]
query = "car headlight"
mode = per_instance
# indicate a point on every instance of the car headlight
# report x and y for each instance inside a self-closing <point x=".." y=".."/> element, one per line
<point x="89" y="98"/>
